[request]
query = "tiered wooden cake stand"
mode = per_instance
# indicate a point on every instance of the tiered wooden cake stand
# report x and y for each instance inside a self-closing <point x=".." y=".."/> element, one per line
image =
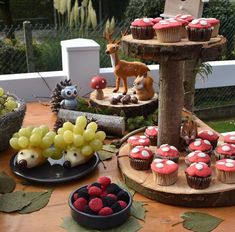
<point x="172" y="58"/>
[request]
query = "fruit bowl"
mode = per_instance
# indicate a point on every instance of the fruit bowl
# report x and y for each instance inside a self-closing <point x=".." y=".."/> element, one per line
<point x="11" y="122"/>
<point x="97" y="221"/>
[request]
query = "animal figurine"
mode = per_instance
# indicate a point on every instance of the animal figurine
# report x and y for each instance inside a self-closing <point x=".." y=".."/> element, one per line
<point x="143" y="87"/>
<point x="69" y="93"/>
<point x="122" y="68"/>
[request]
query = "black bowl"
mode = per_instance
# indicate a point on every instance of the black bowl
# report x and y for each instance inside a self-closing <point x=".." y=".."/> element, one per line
<point x="100" y="222"/>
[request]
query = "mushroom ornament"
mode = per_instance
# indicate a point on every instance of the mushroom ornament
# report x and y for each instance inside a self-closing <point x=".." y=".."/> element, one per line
<point x="98" y="83"/>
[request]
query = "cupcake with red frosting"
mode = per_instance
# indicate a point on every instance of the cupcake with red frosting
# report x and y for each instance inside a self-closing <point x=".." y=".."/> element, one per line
<point x="225" y="170"/>
<point x="200" y="145"/>
<point x="165" y="172"/>
<point x="156" y="20"/>
<point x="166" y="151"/>
<point x="215" y="23"/>
<point x="138" y="140"/>
<point x="199" y="30"/>
<point x="142" y="28"/>
<point x="209" y="135"/>
<point x="168" y="31"/>
<point x="198" y="175"/>
<point x="230" y="138"/>
<point x="140" y="158"/>
<point x="185" y="20"/>
<point x="151" y="132"/>
<point x="196" y="157"/>
<point x="188" y="18"/>
<point x="225" y="151"/>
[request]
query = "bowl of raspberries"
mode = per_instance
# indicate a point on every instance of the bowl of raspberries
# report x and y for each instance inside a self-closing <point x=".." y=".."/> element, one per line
<point x="100" y="205"/>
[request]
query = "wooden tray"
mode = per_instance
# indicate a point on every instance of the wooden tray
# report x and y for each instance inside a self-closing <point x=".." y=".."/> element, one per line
<point x="218" y="194"/>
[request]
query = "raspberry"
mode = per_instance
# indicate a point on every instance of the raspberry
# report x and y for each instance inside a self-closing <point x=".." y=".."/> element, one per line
<point x="113" y="188"/>
<point x="96" y="184"/>
<point x="88" y="210"/>
<point x="94" y="191"/>
<point x="96" y="204"/>
<point x="112" y="195"/>
<point x="80" y="203"/>
<point x="104" y="180"/>
<point x="75" y="196"/>
<point x="103" y="194"/>
<point x="108" y="201"/>
<point x="105" y="211"/>
<point x="123" y="195"/>
<point x="123" y="204"/>
<point x="83" y="192"/>
<point x="116" y="207"/>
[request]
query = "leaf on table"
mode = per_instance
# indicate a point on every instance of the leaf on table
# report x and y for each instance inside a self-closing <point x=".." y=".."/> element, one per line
<point x="200" y="222"/>
<point x="105" y="155"/>
<point x="38" y="201"/>
<point x="7" y="183"/>
<point x="137" y="210"/>
<point x="124" y="186"/>
<point x="10" y="202"/>
<point x="110" y="148"/>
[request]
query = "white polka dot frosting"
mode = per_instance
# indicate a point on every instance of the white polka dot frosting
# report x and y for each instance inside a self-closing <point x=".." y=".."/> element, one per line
<point x="135" y="150"/>
<point x="191" y="154"/>
<point x="145" y="153"/>
<point x="226" y="148"/>
<point x="232" y="138"/>
<point x="201" y="154"/>
<point x="170" y="162"/>
<point x="197" y="143"/>
<point x="165" y="149"/>
<point x="199" y="166"/>
<point x="229" y="165"/>
<point x="159" y="165"/>
<point x="158" y="160"/>
<point x="141" y="141"/>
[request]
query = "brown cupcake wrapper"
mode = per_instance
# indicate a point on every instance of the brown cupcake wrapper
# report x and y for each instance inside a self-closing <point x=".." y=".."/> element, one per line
<point x="142" y="32"/>
<point x="225" y="177"/>
<point x="196" y="34"/>
<point x="198" y="182"/>
<point x="175" y="159"/>
<point x="169" y="35"/>
<point x="140" y="164"/>
<point x="165" y="179"/>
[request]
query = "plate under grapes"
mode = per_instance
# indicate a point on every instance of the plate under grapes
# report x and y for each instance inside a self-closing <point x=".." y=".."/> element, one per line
<point x="53" y="172"/>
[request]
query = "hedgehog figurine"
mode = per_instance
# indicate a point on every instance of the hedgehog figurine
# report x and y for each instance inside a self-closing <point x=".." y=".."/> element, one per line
<point x="69" y="94"/>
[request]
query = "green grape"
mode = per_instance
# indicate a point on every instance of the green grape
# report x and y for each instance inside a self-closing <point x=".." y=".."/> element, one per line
<point x="24" y="132"/>
<point x="37" y="131"/>
<point x="100" y="135"/>
<point x="30" y="128"/>
<point x="44" y="129"/>
<point x="51" y="134"/>
<point x="59" y="142"/>
<point x="78" y="130"/>
<point x="60" y="131"/>
<point x="78" y="140"/>
<point x="14" y="143"/>
<point x="35" y="139"/>
<point x="23" y="141"/>
<point x="57" y="154"/>
<point x="46" y="142"/>
<point x="81" y="121"/>
<point x="10" y="104"/>
<point x="68" y="136"/>
<point x="15" y="135"/>
<point x="68" y="126"/>
<point x="87" y="150"/>
<point x="96" y="144"/>
<point x="48" y="152"/>
<point x="1" y="91"/>
<point x="93" y="126"/>
<point x="88" y="134"/>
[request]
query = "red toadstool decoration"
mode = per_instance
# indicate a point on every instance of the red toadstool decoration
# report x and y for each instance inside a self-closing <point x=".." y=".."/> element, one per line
<point x="98" y="83"/>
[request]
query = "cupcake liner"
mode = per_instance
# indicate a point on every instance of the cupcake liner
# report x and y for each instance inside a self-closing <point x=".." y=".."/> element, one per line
<point x="175" y="159"/>
<point x="225" y="177"/>
<point x="199" y="34"/>
<point x="165" y="179"/>
<point x="183" y="32"/>
<point x="140" y="164"/>
<point x="169" y="35"/>
<point x="215" y="31"/>
<point x="142" y="32"/>
<point x="198" y="182"/>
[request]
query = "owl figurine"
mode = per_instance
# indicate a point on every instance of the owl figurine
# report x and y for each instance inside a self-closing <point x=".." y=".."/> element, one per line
<point x="69" y="93"/>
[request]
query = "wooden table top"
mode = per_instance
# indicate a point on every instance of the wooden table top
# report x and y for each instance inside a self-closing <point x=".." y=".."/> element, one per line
<point x="159" y="215"/>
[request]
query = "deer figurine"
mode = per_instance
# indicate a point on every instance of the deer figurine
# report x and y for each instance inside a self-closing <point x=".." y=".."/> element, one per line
<point x="122" y="68"/>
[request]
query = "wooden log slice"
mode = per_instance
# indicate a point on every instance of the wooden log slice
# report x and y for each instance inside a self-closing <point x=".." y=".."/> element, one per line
<point x="180" y="194"/>
<point x="141" y="108"/>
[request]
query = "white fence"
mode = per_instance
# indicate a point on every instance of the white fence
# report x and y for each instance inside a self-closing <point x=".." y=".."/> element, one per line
<point x="80" y="58"/>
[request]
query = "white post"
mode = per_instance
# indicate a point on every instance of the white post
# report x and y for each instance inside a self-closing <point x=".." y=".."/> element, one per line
<point x="80" y="60"/>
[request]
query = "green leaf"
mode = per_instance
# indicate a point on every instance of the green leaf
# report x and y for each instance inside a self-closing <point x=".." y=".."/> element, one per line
<point x="131" y="225"/>
<point x="7" y="183"/>
<point x="10" y="202"/>
<point x="200" y="222"/>
<point x="137" y="210"/>
<point x="110" y="148"/>
<point x="105" y="155"/>
<point x="38" y="201"/>
<point x="124" y="186"/>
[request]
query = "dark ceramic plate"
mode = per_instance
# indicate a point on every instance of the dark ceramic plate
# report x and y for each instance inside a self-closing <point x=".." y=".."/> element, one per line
<point x="53" y="172"/>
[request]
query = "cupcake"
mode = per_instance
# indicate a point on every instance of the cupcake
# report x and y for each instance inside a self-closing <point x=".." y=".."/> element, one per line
<point x="141" y="158"/>
<point x="168" y="31"/>
<point x="209" y="135"/>
<point x="164" y="171"/>
<point x="169" y="152"/>
<point x="225" y="171"/>
<point x="225" y="151"/>
<point x="230" y="138"/>
<point x="142" y="28"/>
<point x="156" y="20"/>
<point x="151" y="133"/>
<point x="199" y="30"/>
<point x="198" y="175"/>
<point x="200" y="145"/>
<point x="196" y="157"/>
<point x="138" y="140"/>
<point x="188" y="18"/>
<point x="185" y="20"/>
<point x="215" y="23"/>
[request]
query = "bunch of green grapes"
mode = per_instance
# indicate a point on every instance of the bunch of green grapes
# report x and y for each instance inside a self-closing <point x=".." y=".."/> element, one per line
<point x="82" y="135"/>
<point x="7" y="103"/>
<point x="38" y="137"/>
